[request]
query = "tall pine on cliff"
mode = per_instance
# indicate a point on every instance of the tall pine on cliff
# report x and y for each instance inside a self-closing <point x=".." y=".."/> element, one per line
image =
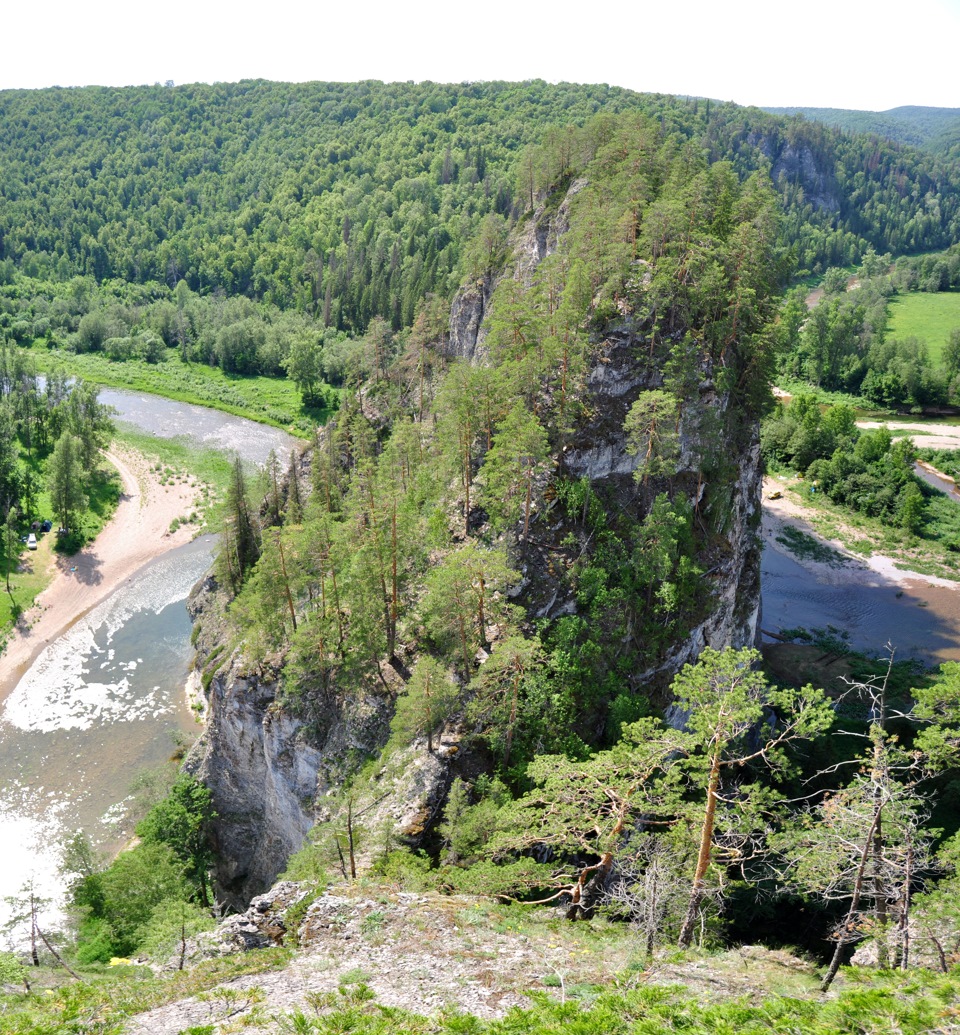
<point x="432" y="492"/>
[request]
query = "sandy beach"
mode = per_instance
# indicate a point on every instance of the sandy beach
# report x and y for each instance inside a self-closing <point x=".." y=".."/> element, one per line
<point x="929" y="436"/>
<point x="138" y="532"/>
<point x="787" y="511"/>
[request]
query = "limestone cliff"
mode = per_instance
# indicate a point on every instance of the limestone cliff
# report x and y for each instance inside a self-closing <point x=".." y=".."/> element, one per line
<point x="271" y="768"/>
<point x="598" y="451"/>
<point x="268" y="768"/>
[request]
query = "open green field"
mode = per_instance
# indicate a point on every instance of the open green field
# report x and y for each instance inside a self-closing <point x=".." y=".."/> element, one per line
<point x="926" y="315"/>
<point x="269" y="400"/>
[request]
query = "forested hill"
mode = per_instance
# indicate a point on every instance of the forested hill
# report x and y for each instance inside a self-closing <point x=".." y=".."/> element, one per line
<point x="347" y="201"/>
<point x="936" y="130"/>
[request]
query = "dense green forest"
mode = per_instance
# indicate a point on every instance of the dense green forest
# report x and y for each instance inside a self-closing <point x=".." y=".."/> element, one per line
<point x="320" y="231"/>
<point x="392" y="557"/>
<point x="347" y="202"/>
<point x="51" y="435"/>
<point x="385" y="569"/>
<point x="936" y="130"/>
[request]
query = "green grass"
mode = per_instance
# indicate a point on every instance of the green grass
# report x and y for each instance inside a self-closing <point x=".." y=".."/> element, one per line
<point x="936" y="551"/>
<point x="883" y="1001"/>
<point x="267" y="400"/>
<point x="207" y="465"/>
<point x="103" y="491"/>
<point x="926" y="315"/>
<point x="865" y="409"/>
<point x="24" y="588"/>
<point x="108" y="996"/>
<point x="806" y="547"/>
<point x="173" y="459"/>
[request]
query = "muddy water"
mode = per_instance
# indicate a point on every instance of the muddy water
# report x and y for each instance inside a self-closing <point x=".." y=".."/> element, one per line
<point x="920" y="621"/>
<point x="943" y="484"/>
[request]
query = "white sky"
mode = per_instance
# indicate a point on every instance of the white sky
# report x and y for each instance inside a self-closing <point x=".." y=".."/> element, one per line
<point x="823" y="53"/>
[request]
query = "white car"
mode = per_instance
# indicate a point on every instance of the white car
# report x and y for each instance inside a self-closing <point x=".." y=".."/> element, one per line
<point x="31" y="542"/>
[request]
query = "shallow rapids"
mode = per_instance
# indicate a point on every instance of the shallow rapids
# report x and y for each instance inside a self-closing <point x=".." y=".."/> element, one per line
<point x="100" y="705"/>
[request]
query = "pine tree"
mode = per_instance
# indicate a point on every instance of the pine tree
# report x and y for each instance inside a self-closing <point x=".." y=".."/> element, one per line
<point x="65" y="474"/>
<point x="240" y="549"/>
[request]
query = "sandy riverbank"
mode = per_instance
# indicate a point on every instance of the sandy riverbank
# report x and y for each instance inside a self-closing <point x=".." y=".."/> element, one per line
<point x="928" y="436"/>
<point x="787" y="511"/>
<point x="138" y="532"/>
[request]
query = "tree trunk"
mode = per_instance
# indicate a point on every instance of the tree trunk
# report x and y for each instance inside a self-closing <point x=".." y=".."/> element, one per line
<point x="703" y="858"/>
<point x="854" y="904"/>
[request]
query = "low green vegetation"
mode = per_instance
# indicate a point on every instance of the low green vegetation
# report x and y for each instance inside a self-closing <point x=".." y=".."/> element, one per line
<point x="878" y="501"/>
<point x="447" y="565"/>
<point x="807" y="547"/>
<point x="892" y="341"/>
<point x="178" y="459"/>
<point x="152" y="895"/>
<point x="631" y="1003"/>
<point x="865" y="470"/>
<point x="27" y="581"/>
<point x="104" y="999"/>
<point x="931" y="317"/>
<point x="269" y="400"/>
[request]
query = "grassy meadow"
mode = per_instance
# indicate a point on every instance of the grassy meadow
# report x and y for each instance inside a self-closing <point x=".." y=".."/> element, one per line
<point x="267" y="400"/>
<point x="925" y="315"/>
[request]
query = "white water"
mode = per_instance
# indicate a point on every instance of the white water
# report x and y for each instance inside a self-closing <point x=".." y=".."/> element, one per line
<point x="98" y="706"/>
<point x="106" y="701"/>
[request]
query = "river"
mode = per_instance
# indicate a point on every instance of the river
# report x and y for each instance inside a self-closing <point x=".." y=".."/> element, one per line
<point x="919" y="618"/>
<point x="921" y="621"/>
<point x="105" y="703"/>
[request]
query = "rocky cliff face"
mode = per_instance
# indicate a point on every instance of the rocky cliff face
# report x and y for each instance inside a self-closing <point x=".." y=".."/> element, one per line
<point x="536" y="239"/>
<point x="598" y="451"/>
<point x="267" y="768"/>
<point x="600" y="454"/>
<point x="270" y="770"/>
<point x="800" y="164"/>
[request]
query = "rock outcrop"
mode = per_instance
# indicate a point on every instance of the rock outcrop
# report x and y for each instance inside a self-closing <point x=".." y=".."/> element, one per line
<point x="270" y="769"/>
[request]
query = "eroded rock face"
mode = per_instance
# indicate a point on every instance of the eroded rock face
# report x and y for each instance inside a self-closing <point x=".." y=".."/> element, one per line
<point x="799" y="164"/>
<point x="467" y="314"/>
<point x="265" y="766"/>
<point x="538" y="239"/>
<point x="598" y="449"/>
<point x="272" y="772"/>
<point x="262" y="769"/>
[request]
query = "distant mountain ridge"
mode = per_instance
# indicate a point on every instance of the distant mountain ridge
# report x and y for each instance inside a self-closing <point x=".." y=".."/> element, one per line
<point x="932" y="129"/>
<point x="350" y="201"/>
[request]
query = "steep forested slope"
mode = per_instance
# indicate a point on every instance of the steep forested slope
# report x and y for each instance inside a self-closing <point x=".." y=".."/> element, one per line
<point x="354" y="197"/>
<point x="565" y="491"/>
<point x="354" y="200"/>
<point x="553" y="312"/>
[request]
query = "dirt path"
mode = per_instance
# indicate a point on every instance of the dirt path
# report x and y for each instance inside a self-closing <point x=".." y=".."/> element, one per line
<point x="138" y="532"/>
